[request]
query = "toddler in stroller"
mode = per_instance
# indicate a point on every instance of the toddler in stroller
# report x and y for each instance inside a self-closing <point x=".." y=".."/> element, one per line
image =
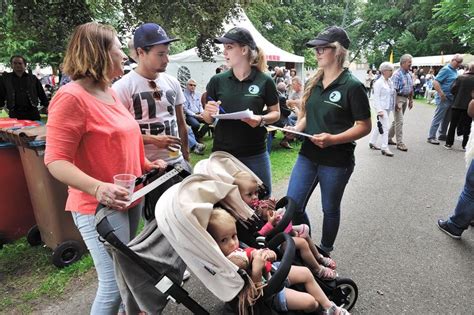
<point x="222" y="166"/>
<point x="222" y="227"/>
<point x="322" y="267"/>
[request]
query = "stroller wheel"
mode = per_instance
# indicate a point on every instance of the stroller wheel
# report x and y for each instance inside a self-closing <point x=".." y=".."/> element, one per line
<point x="345" y="293"/>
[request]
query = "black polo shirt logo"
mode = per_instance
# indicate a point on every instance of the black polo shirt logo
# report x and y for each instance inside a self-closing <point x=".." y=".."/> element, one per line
<point x="335" y="96"/>
<point x="254" y="89"/>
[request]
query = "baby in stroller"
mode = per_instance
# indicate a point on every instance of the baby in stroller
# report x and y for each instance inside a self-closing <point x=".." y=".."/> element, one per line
<point x="222" y="227"/>
<point x="322" y="267"/>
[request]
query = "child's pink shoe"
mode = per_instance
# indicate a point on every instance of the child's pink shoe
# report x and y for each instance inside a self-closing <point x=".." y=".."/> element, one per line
<point x="325" y="273"/>
<point x="327" y="262"/>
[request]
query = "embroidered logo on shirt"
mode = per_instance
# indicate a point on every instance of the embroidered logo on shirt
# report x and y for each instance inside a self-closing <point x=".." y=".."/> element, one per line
<point x="254" y="89"/>
<point x="335" y="96"/>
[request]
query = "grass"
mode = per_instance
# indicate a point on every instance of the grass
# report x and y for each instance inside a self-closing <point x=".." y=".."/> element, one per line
<point x="28" y="278"/>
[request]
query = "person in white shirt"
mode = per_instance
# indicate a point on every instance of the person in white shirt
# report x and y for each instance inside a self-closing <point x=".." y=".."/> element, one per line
<point x="155" y="98"/>
<point x="384" y="103"/>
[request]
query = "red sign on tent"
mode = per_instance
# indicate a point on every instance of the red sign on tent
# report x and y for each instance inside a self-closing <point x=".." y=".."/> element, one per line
<point x="273" y="58"/>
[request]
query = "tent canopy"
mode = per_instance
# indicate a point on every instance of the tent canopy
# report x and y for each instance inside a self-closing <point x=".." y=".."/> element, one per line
<point x="272" y="52"/>
<point x="433" y="61"/>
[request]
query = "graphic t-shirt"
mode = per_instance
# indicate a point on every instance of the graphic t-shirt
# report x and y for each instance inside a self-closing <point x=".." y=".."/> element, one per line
<point x="155" y="117"/>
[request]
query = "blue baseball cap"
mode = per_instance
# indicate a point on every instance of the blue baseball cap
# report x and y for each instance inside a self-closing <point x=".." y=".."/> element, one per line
<point x="150" y="34"/>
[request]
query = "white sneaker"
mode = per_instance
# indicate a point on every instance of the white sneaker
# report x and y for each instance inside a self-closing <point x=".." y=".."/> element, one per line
<point x="186" y="275"/>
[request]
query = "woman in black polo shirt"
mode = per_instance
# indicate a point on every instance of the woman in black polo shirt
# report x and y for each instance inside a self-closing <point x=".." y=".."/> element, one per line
<point x="335" y="110"/>
<point x="244" y="86"/>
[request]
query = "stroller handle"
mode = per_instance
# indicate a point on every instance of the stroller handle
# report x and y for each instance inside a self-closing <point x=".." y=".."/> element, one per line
<point x="287" y="217"/>
<point x="276" y="282"/>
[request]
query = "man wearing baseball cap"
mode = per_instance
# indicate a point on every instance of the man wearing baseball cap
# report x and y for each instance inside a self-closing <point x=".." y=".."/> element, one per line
<point x="155" y="98"/>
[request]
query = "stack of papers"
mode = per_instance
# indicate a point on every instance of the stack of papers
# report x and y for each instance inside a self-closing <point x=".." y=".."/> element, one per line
<point x="236" y="115"/>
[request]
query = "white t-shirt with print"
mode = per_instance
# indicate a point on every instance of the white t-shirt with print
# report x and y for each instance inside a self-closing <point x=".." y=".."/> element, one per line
<point x="154" y="117"/>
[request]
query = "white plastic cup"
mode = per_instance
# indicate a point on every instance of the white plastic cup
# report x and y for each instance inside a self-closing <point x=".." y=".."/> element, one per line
<point x="126" y="181"/>
<point x="174" y="151"/>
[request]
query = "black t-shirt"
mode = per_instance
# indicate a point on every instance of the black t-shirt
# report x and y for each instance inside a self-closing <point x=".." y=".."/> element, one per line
<point x="254" y="92"/>
<point x="334" y="110"/>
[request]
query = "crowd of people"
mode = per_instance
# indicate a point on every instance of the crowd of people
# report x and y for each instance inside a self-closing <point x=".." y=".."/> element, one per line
<point x="99" y="126"/>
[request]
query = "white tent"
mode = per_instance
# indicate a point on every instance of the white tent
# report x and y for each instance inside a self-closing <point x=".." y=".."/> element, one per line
<point x="187" y="64"/>
<point x="434" y="61"/>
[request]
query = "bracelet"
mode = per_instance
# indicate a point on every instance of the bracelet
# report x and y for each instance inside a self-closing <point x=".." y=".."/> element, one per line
<point x="96" y="189"/>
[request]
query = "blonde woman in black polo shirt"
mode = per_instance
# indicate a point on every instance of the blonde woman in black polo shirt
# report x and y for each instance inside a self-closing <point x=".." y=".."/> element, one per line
<point x="244" y="86"/>
<point x="335" y="110"/>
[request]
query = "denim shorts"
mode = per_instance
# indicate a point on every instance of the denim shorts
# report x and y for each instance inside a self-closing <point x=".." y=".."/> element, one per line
<point x="279" y="302"/>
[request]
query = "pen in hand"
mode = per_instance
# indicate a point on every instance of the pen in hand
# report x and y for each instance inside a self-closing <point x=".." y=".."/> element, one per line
<point x="221" y="110"/>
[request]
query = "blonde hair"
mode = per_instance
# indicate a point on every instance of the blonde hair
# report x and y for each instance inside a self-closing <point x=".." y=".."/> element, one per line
<point x="251" y="292"/>
<point x="242" y="178"/>
<point x="341" y="54"/>
<point x="219" y="217"/>
<point x="257" y="59"/>
<point x="88" y="52"/>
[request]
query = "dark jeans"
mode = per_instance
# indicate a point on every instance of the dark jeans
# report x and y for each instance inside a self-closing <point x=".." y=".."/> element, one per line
<point x="464" y="211"/>
<point x="195" y="124"/>
<point x="459" y="119"/>
<point x="306" y="175"/>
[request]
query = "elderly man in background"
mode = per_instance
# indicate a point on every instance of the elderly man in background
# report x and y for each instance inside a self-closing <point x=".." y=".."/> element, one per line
<point x="193" y="109"/>
<point x="403" y="83"/>
<point x="444" y="99"/>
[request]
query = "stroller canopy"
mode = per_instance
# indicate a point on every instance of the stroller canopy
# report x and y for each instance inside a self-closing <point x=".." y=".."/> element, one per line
<point x="182" y="214"/>
<point x="222" y="165"/>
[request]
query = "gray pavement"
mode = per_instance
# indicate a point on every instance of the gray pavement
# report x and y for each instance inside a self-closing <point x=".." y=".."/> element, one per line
<point x="388" y="242"/>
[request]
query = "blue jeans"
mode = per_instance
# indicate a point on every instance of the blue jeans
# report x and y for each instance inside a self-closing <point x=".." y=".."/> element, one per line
<point x="333" y="180"/>
<point x="191" y="139"/>
<point x="107" y="299"/>
<point x="464" y="211"/>
<point x="260" y="165"/>
<point x="442" y="108"/>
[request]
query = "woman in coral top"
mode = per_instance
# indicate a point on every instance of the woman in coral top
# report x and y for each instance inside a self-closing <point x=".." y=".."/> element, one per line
<point x="90" y="138"/>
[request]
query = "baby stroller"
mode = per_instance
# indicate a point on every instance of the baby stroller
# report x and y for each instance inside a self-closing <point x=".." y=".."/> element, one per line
<point x="149" y="269"/>
<point x="221" y="165"/>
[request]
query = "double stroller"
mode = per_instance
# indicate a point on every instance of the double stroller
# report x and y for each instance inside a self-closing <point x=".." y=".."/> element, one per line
<point x="150" y="268"/>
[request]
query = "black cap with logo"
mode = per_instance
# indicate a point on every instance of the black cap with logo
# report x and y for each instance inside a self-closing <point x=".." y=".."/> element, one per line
<point x="237" y="35"/>
<point x="330" y="35"/>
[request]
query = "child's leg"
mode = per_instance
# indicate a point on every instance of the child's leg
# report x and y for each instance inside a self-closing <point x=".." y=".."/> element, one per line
<point x="306" y="254"/>
<point x="300" y="301"/>
<point x="310" y="261"/>
<point x="302" y="275"/>
<point x="325" y="261"/>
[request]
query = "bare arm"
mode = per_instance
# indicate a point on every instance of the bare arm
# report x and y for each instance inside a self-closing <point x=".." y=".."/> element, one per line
<point x="470" y="108"/>
<point x="437" y="87"/>
<point x="106" y="193"/>
<point x="183" y="131"/>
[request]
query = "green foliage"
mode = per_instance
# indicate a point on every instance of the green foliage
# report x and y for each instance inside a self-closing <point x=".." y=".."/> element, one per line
<point x="407" y="26"/>
<point x="459" y="17"/>
<point x="290" y="24"/>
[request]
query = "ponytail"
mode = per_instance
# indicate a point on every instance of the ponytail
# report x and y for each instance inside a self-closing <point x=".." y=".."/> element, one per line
<point x="257" y="59"/>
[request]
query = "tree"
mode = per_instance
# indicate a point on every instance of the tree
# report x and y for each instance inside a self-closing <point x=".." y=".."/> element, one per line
<point x="406" y="26"/>
<point x="459" y="17"/>
<point x="290" y="24"/>
<point x="39" y="29"/>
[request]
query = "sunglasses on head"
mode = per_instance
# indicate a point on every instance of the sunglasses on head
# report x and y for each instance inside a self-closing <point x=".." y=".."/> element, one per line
<point x="157" y="93"/>
<point x="321" y="50"/>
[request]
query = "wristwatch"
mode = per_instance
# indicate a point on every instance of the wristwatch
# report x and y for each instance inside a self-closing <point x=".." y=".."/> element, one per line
<point x="262" y="122"/>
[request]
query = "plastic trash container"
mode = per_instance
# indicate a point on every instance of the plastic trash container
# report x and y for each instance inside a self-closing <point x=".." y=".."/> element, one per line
<point x="16" y="212"/>
<point x="55" y="227"/>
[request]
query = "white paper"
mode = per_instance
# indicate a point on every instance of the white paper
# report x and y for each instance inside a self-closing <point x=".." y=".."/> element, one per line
<point x="291" y="131"/>
<point x="235" y="116"/>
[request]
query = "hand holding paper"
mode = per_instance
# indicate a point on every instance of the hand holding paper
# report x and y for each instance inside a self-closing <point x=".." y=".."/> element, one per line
<point x="235" y="116"/>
